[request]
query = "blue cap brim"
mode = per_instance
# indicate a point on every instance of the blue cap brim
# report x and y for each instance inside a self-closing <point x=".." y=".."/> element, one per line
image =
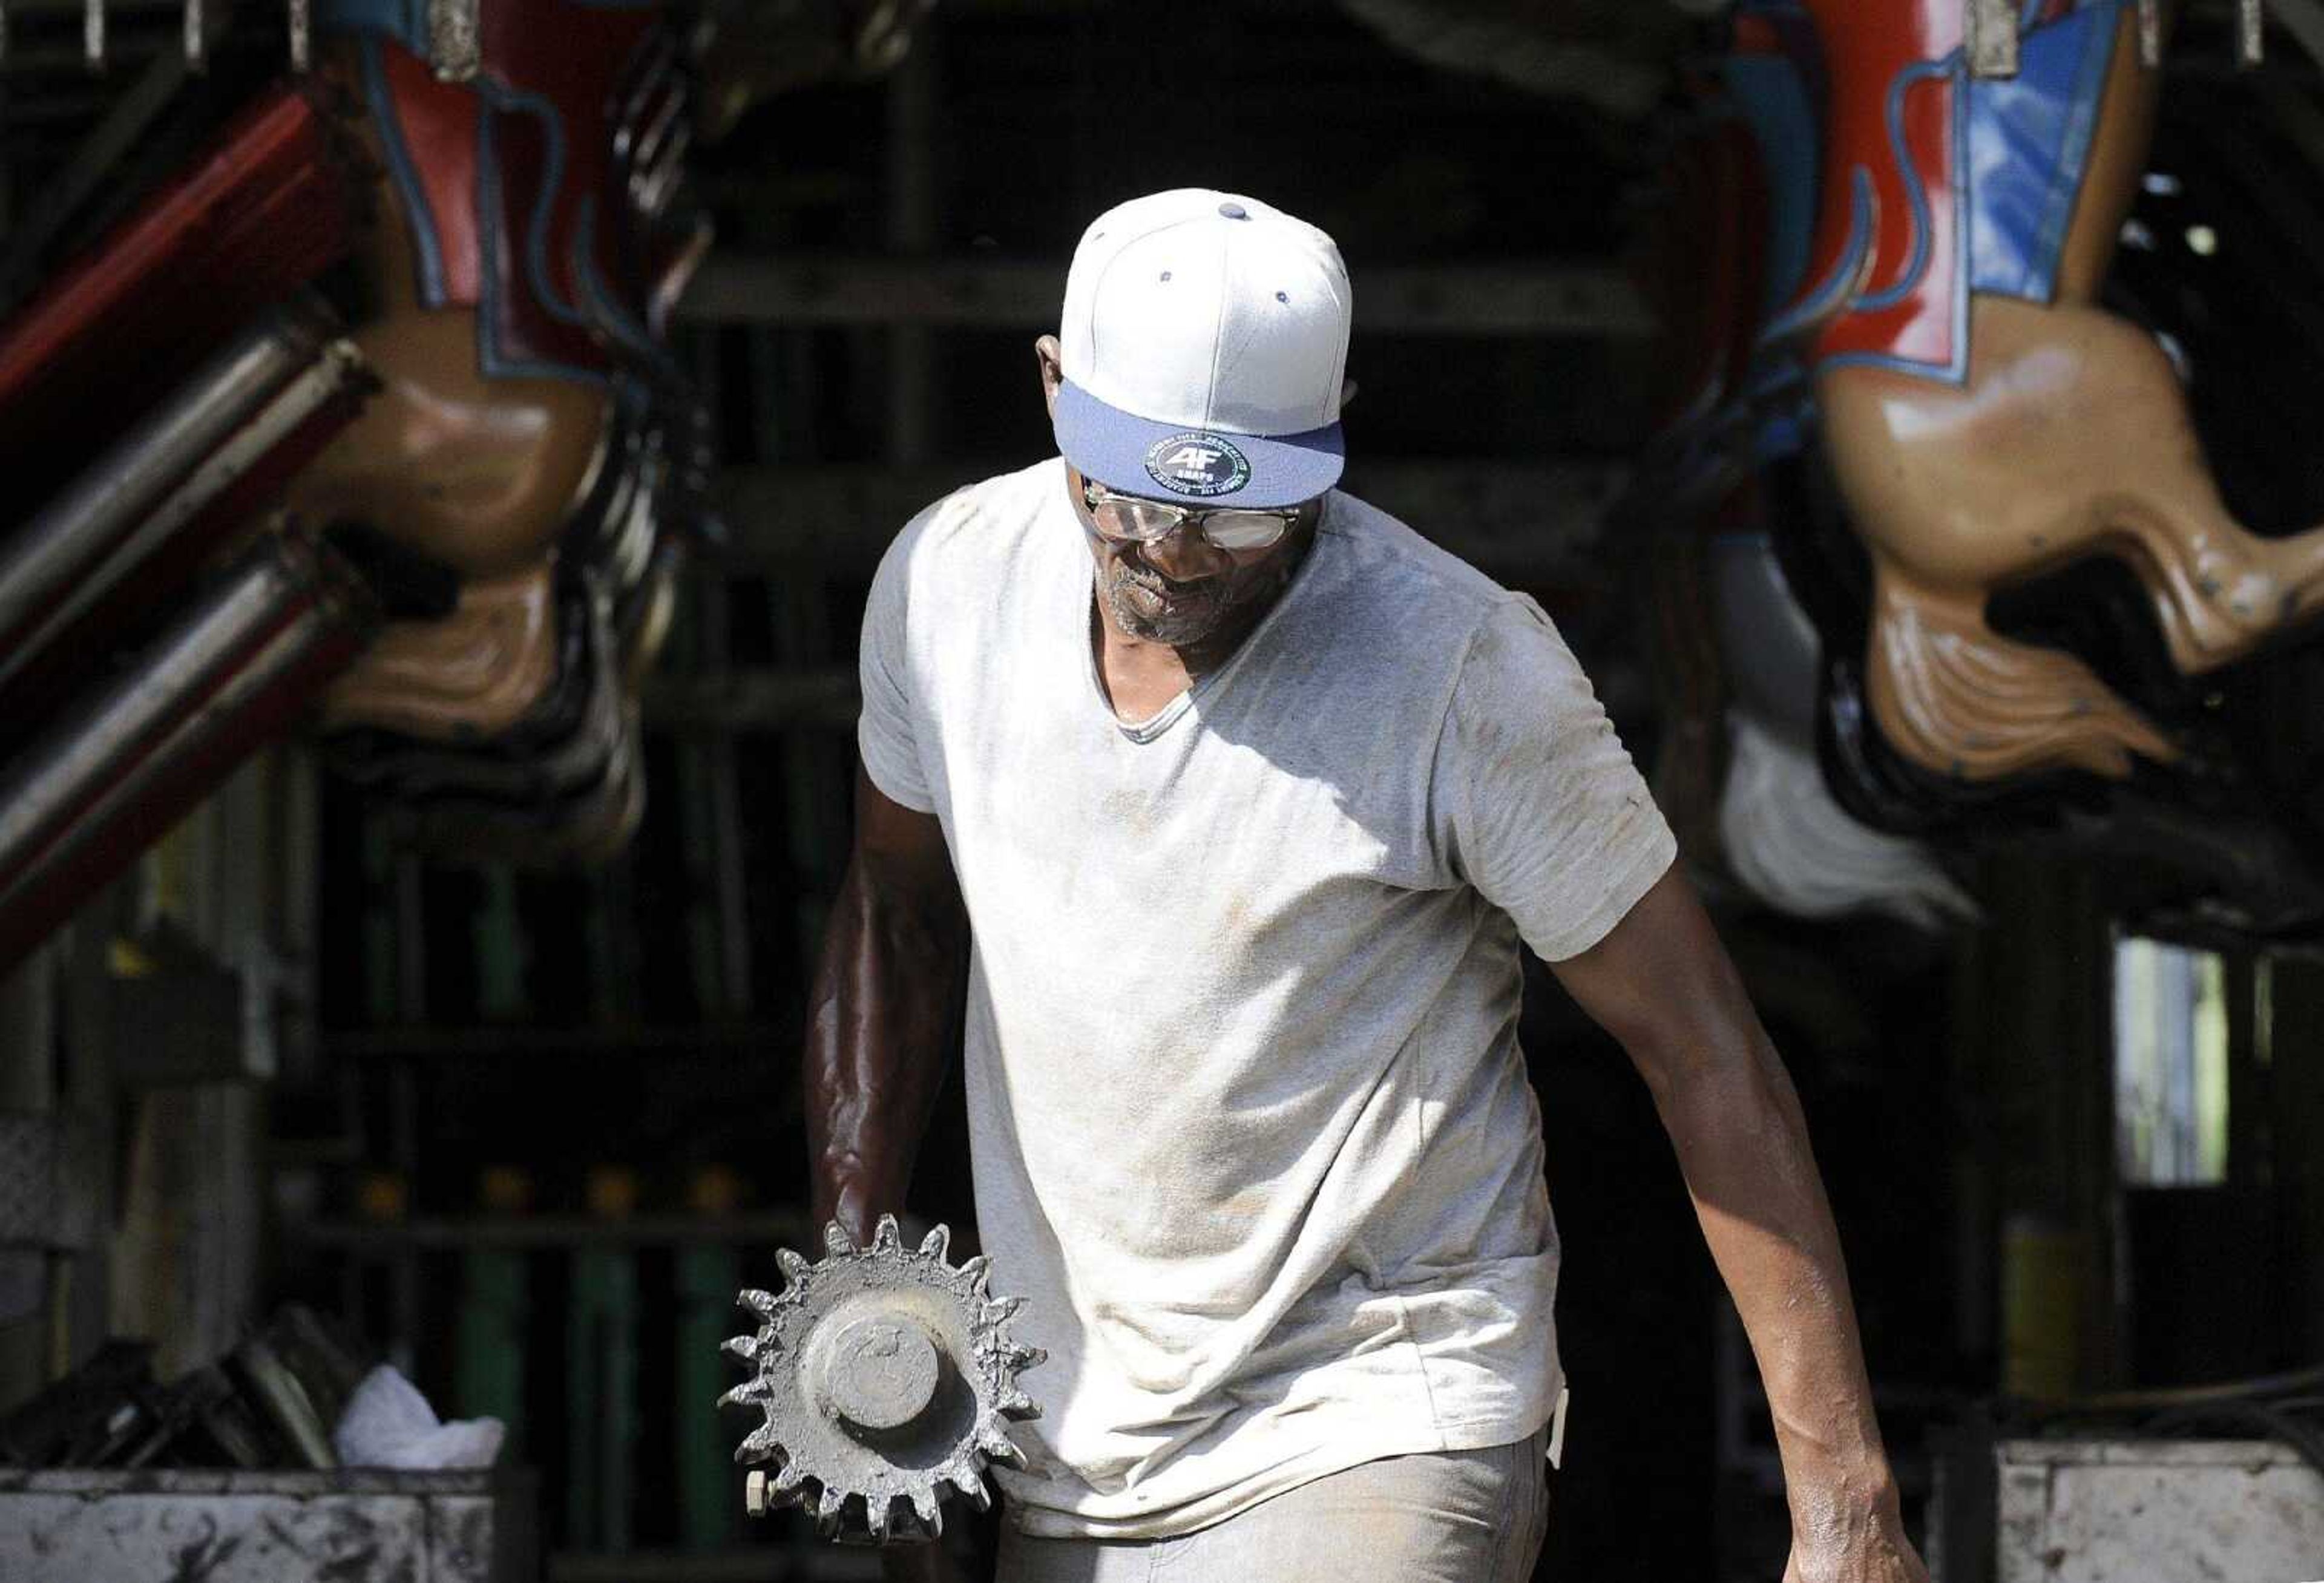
<point x="1130" y="455"/>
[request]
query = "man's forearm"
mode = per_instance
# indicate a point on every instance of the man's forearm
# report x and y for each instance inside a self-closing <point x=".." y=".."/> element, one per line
<point x="1743" y="1145"/>
<point x="879" y="1034"/>
<point x="1732" y="1116"/>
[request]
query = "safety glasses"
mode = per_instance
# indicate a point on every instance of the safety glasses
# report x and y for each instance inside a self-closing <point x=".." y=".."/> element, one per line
<point x="1145" y="522"/>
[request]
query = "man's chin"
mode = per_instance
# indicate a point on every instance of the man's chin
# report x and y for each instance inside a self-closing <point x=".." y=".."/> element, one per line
<point x="1176" y="626"/>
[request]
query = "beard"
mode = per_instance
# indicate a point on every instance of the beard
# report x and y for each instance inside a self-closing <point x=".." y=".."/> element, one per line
<point x="1147" y="605"/>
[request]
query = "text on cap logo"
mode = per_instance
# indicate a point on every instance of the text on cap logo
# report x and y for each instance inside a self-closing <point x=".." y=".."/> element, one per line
<point x="1197" y="464"/>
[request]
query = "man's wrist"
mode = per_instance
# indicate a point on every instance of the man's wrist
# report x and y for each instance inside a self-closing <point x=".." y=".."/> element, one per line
<point x="1832" y="1496"/>
<point x="1844" y="1461"/>
<point x="855" y="1203"/>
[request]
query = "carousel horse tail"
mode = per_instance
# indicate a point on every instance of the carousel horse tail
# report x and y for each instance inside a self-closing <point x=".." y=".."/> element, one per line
<point x="1957" y="698"/>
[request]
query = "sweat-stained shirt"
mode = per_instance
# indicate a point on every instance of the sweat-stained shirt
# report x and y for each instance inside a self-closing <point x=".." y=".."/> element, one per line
<point x="1250" y="1129"/>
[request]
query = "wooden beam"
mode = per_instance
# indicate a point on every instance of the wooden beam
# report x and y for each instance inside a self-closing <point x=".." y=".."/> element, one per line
<point x="753" y="698"/>
<point x="1542" y="299"/>
<point x="100" y="155"/>
<point x="1514" y="520"/>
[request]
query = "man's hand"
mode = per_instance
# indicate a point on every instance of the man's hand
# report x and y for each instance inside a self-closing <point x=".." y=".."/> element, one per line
<point x="1661" y="984"/>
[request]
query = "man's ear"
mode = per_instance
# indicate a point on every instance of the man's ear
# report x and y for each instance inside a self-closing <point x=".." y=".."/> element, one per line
<point x="1051" y="359"/>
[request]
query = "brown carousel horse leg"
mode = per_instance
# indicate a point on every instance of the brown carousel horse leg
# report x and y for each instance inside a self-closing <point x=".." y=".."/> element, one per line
<point x="477" y="473"/>
<point x="2071" y="436"/>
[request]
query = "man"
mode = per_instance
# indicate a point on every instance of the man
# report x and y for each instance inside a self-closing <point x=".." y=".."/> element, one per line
<point x="1233" y="799"/>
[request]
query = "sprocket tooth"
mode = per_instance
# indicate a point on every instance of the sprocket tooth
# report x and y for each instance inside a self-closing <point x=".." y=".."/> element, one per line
<point x="978" y="1271"/>
<point x="795" y="1268"/>
<point x="788" y="1479"/>
<point x="936" y="1243"/>
<point x="878" y="1516"/>
<point x="836" y="1240"/>
<point x="759" y="1301"/>
<point x="1016" y="1403"/>
<point x="928" y="1505"/>
<point x="1001" y="1309"/>
<point x="831" y="1506"/>
<point x="969" y="1486"/>
<point x="750" y="1393"/>
<point x="749" y="1347"/>
<point x="887" y="1236"/>
<point x="999" y="1448"/>
<point x="759" y="1445"/>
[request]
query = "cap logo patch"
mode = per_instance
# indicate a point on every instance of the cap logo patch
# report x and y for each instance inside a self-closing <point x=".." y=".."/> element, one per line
<point x="1197" y="464"/>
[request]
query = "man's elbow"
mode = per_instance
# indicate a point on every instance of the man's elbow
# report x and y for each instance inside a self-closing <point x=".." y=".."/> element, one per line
<point x="1703" y="1070"/>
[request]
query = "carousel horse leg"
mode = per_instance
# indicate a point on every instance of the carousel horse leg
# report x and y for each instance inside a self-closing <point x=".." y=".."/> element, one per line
<point x="2070" y="437"/>
<point x="476" y="471"/>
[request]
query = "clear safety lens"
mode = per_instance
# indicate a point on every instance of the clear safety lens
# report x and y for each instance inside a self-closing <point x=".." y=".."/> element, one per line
<point x="1243" y="529"/>
<point x="1134" y="518"/>
<point x="1148" y="521"/>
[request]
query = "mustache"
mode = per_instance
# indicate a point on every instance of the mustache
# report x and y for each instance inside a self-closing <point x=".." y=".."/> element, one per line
<point x="1202" y="590"/>
<point x="1155" y="582"/>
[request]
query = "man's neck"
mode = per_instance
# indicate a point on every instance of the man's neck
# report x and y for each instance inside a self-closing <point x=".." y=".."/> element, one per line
<point x="1141" y="675"/>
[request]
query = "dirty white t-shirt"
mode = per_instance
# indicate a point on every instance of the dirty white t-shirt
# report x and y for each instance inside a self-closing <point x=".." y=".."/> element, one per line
<point x="1252" y="1132"/>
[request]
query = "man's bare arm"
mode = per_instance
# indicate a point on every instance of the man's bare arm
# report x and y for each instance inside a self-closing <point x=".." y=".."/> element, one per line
<point x="880" y="1017"/>
<point x="1662" y="984"/>
<point x="879" y="1037"/>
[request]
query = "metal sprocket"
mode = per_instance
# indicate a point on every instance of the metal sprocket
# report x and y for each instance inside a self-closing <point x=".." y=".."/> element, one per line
<point x="886" y="1376"/>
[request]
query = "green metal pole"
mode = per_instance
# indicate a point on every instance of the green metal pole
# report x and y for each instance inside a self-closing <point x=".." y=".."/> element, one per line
<point x="709" y="1274"/>
<point x="602" y="1362"/>
<point x="495" y="1305"/>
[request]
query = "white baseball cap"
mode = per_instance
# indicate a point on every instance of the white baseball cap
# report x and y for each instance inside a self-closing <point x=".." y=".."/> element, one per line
<point x="1204" y="339"/>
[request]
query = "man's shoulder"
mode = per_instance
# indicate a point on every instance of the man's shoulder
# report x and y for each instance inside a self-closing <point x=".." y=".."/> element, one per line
<point x="970" y="551"/>
<point x="1427" y="585"/>
<point x="987" y="514"/>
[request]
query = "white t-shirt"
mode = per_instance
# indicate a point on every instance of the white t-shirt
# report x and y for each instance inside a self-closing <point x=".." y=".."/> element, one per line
<point x="1251" y="1128"/>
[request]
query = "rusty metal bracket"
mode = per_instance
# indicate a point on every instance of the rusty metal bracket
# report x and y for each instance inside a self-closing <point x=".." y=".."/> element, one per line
<point x="1991" y="30"/>
<point x="455" y="40"/>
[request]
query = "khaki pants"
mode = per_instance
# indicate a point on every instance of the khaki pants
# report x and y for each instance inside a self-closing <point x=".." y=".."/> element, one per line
<point x="1445" y="1517"/>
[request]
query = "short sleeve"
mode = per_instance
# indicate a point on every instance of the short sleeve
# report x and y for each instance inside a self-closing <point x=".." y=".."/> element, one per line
<point x="885" y="732"/>
<point x="1540" y="806"/>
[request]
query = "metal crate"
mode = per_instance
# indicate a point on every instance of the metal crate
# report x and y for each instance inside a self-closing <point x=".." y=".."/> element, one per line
<point x="2151" y="1511"/>
<point x="352" y="1526"/>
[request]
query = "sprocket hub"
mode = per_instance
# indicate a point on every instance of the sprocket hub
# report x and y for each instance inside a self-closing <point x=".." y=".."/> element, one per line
<point x="886" y="1376"/>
